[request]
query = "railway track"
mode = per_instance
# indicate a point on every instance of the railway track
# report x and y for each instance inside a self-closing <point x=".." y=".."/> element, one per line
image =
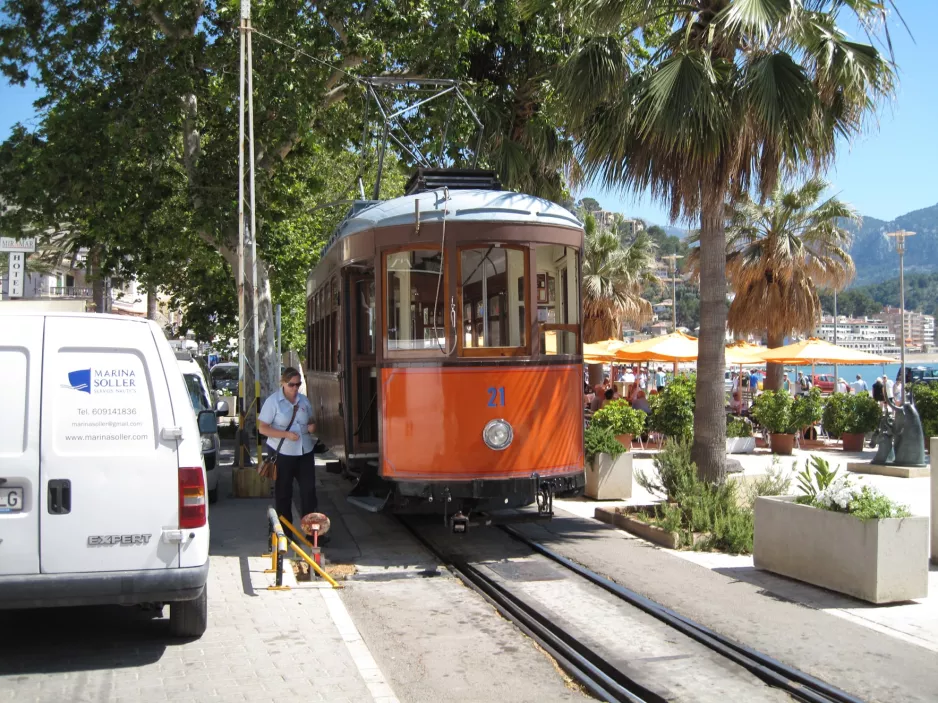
<point x="602" y="678"/>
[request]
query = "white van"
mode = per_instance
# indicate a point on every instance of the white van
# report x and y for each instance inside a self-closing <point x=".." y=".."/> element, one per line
<point x="199" y="396"/>
<point x="102" y="487"/>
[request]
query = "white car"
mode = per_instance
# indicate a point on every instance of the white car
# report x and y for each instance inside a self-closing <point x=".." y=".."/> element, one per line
<point x="102" y="486"/>
<point x="200" y="396"/>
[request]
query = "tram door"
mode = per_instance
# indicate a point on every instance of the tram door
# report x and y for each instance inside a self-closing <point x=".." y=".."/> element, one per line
<point x="363" y="370"/>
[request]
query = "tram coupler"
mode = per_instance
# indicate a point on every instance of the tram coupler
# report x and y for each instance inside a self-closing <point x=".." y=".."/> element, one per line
<point x="545" y="500"/>
<point x="459" y="523"/>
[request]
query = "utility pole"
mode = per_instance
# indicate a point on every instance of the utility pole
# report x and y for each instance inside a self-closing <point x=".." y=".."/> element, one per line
<point x="246" y="238"/>
<point x="673" y="280"/>
<point x="836" y="377"/>
<point x="900" y="247"/>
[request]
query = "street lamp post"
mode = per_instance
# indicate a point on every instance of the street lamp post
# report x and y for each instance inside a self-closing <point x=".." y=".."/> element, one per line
<point x="900" y="236"/>
<point x="673" y="281"/>
<point x="836" y="377"/>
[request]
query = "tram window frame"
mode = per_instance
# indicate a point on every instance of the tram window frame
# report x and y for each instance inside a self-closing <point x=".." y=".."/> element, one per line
<point x="433" y="351"/>
<point x="564" y="326"/>
<point x="493" y="351"/>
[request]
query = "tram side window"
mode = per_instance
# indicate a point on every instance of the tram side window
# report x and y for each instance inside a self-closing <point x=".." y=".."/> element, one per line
<point x="558" y="299"/>
<point x="365" y="290"/>
<point x="412" y="278"/>
<point x="494" y="296"/>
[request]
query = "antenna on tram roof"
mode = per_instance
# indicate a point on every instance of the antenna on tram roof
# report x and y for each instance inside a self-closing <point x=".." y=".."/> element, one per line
<point x="394" y="97"/>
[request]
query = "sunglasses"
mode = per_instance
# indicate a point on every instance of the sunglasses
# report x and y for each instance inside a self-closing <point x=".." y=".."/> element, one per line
<point x="294" y="385"/>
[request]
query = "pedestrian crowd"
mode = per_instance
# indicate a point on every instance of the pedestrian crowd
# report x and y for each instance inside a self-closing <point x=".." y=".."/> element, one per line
<point x="634" y="384"/>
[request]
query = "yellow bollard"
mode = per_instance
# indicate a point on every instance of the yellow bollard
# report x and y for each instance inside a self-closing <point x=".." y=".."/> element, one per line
<point x="295" y="531"/>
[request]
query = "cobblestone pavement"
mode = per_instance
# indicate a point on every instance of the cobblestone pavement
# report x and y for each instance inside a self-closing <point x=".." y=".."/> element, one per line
<point x="260" y="645"/>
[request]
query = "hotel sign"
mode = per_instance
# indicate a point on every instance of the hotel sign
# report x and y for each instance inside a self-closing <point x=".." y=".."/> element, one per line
<point x="26" y="245"/>
<point x="17" y="271"/>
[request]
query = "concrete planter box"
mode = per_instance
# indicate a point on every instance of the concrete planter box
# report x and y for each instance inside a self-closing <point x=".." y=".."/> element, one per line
<point x="740" y="445"/>
<point x="933" y="443"/>
<point x="608" y="478"/>
<point x="880" y="561"/>
<point x="652" y="533"/>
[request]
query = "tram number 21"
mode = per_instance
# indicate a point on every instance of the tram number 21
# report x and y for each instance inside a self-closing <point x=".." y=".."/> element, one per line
<point x="497" y="397"/>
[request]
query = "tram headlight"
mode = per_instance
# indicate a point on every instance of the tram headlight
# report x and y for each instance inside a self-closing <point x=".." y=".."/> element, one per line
<point x="497" y="434"/>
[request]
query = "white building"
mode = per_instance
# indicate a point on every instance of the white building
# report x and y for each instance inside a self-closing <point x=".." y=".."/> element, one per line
<point x="51" y="277"/>
<point x="919" y="329"/>
<point x="866" y="334"/>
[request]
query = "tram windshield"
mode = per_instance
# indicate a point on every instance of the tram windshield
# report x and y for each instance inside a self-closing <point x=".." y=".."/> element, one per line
<point x="494" y="297"/>
<point x="413" y="279"/>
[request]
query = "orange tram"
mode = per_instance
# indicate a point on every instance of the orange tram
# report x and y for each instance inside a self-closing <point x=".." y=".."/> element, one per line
<point x="444" y="348"/>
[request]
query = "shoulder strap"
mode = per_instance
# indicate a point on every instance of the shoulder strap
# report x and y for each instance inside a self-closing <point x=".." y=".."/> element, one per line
<point x="289" y="425"/>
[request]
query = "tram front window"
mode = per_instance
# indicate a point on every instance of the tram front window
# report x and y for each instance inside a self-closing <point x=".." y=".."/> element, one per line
<point x="494" y="295"/>
<point x="412" y="280"/>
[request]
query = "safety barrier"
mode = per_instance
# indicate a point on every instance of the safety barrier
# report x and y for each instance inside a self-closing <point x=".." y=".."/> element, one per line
<point x="278" y="547"/>
<point x="280" y="543"/>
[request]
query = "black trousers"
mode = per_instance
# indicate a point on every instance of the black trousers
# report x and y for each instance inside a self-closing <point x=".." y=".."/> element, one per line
<point x="303" y="469"/>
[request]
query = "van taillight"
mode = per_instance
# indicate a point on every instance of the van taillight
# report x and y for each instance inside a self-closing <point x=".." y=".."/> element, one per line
<point x="191" y="498"/>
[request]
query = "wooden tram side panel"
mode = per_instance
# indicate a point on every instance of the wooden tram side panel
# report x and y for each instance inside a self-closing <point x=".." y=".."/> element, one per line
<point x="432" y="420"/>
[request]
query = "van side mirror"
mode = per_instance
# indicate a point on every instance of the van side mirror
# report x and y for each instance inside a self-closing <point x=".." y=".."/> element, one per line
<point x="221" y="408"/>
<point x="208" y="422"/>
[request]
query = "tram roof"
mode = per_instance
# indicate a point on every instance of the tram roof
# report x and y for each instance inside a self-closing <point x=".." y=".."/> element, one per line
<point x="462" y="206"/>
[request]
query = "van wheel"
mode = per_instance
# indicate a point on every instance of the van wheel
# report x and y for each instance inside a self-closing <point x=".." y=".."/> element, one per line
<point x="189" y="618"/>
<point x="213" y="495"/>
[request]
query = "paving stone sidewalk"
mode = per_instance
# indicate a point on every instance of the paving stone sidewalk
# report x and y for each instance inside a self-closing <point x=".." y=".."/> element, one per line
<point x="260" y="645"/>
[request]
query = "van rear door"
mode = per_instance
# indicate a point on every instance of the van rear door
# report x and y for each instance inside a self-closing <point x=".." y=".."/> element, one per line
<point x="20" y="386"/>
<point x="109" y="472"/>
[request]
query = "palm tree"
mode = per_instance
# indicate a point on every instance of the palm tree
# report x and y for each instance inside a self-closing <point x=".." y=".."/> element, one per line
<point x="614" y="276"/>
<point x="778" y="254"/>
<point x="735" y="95"/>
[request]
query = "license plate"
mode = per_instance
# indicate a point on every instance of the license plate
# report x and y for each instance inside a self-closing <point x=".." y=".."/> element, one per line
<point x="11" y="500"/>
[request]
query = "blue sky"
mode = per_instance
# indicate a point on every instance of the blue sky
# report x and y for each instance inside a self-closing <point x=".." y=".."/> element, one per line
<point x="891" y="170"/>
<point x="887" y="172"/>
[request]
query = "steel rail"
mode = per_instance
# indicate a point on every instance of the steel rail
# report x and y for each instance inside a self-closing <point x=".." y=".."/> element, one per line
<point x="601" y="678"/>
<point x="773" y="672"/>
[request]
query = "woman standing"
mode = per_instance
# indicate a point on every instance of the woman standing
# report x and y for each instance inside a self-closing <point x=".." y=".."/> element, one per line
<point x="278" y="421"/>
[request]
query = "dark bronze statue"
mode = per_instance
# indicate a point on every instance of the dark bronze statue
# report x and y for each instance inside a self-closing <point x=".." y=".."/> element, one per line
<point x="900" y="440"/>
<point x="883" y="441"/>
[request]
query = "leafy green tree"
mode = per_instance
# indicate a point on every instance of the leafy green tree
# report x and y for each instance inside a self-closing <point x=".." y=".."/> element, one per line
<point x="739" y="93"/>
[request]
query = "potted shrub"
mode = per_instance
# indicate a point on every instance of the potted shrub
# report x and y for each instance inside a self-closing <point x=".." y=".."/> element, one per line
<point x="851" y="417"/>
<point x="672" y="410"/>
<point x="739" y="439"/>
<point x="773" y="410"/>
<point x="624" y="421"/>
<point x="806" y="410"/>
<point x="843" y="536"/>
<point x="609" y="466"/>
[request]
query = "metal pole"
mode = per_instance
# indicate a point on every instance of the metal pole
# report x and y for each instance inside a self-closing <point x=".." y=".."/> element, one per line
<point x="902" y="313"/>
<point x="900" y="247"/>
<point x="673" y="296"/>
<point x="836" y="377"/>
<point x="255" y="308"/>
<point x="245" y="13"/>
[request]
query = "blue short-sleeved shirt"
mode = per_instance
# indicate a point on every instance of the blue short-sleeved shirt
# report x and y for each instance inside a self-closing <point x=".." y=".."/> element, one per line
<point x="276" y="412"/>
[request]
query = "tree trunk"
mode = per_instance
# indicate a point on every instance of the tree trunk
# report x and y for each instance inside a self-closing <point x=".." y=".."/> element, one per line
<point x="595" y="372"/>
<point x="269" y="365"/>
<point x="151" y="301"/>
<point x="774" y="372"/>
<point x="709" y="448"/>
<point x="98" y="284"/>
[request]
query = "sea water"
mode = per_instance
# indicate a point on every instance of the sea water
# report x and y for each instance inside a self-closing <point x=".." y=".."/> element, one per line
<point x="867" y="373"/>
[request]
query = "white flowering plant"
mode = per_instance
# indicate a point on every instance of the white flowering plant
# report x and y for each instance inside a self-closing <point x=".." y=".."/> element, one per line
<point x="829" y="490"/>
